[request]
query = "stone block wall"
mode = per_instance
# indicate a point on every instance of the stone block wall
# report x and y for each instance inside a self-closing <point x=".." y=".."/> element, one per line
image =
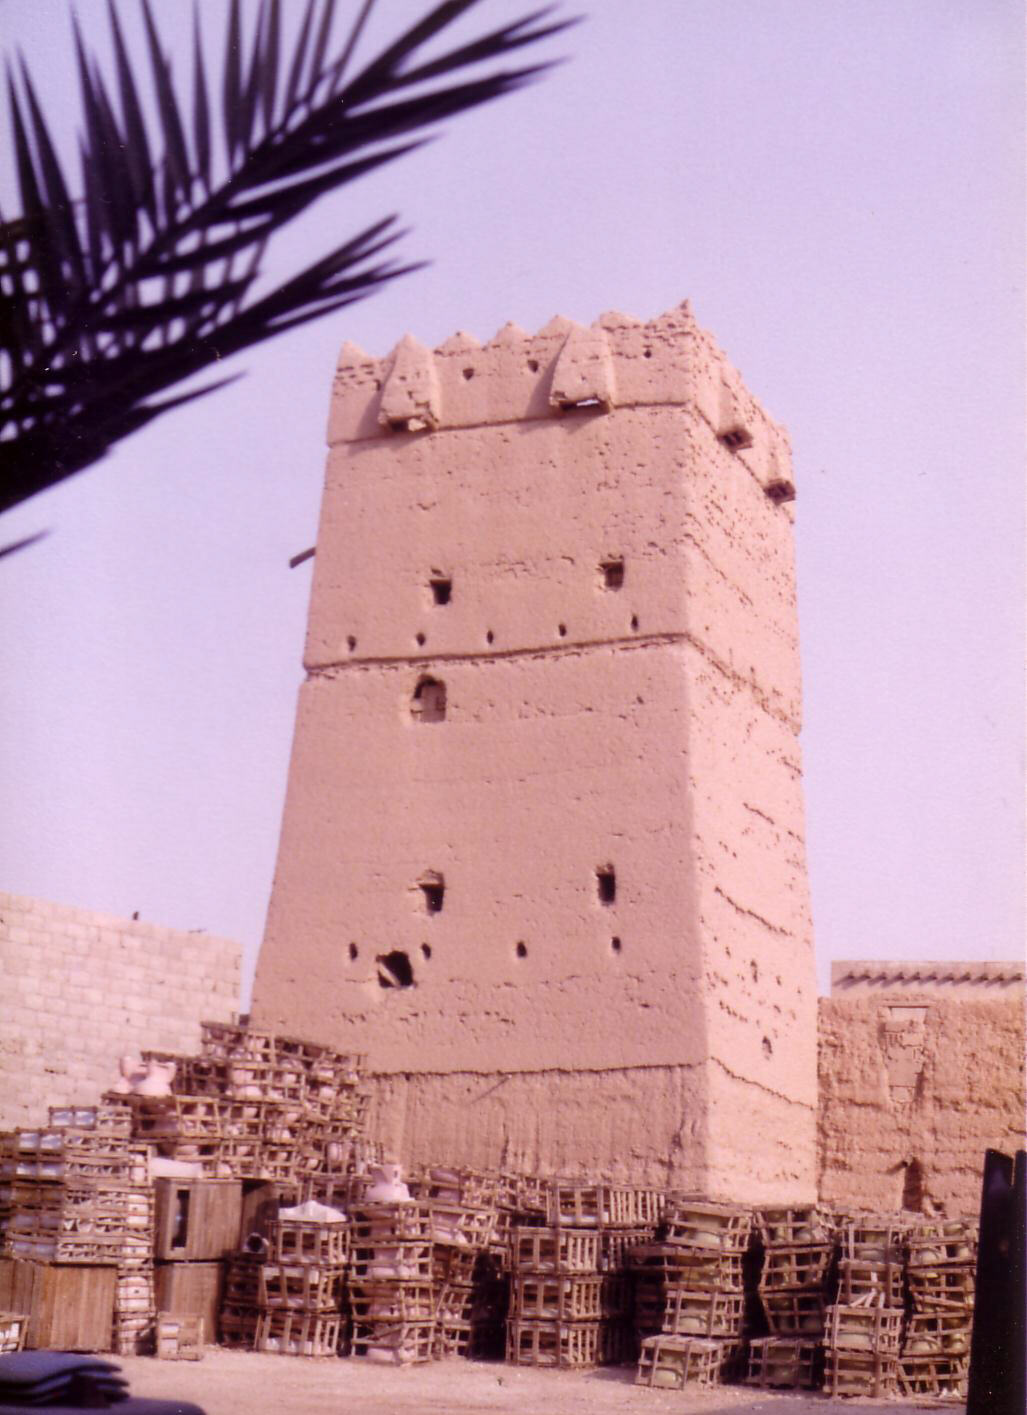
<point x="81" y="989"/>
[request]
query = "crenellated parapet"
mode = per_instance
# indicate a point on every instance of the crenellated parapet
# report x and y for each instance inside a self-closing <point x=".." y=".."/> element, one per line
<point x="564" y="368"/>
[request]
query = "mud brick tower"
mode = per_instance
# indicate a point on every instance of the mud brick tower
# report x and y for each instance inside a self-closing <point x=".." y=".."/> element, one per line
<point x="542" y="855"/>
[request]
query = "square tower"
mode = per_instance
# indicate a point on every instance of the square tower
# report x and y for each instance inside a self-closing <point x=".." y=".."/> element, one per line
<point x="542" y="855"/>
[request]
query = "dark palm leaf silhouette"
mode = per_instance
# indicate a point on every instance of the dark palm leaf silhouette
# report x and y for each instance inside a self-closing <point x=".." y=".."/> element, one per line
<point x="108" y="300"/>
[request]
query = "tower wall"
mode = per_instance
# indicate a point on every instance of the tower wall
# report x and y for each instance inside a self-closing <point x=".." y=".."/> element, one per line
<point x="568" y="922"/>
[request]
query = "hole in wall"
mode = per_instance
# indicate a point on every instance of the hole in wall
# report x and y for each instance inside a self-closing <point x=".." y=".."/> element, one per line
<point x="754" y="969"/>
<point x="561" y="629"/>
<point x="573" y="405"/>
<point x="615" y="944"/>
<point x="354" y="952"/>
<point x="351" y="643"/>
<point x="394" y="970"/>
<point x="647" y="353"/>
<point x="468" y="373"/>
<point x="429" y="701"/>
<point x="433" y="887"/>
<point x="736" y="437"/>
<point x="768" y="1050"/>
<point x="913" y="1187"/>
<point x="420" y="639"/>
<point x="612" y="572"/>
<point x="634" y="621"/>
<point x="441" y="589"/>
<point x="521" y="950"/>
<point x="533" y="365"/>
<point x="606" y="884"/>
<point x="426" y="951"/>
<point x="489" y="636"/>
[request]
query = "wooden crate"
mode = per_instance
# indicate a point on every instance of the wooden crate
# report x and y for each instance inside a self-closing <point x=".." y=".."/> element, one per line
<point x="452" y="1264"/>
<point x="706" y="1314"/>
<point x="242" y="1280"/>
<point x="783" y="1363"/>
<point x="175" y="1117"/>
<point x="880" y="1282"/>
<point x="69" y="1308"/>
<point x="802" y="1266"/>
<point x="672" y="1362"/>
<point x="406" y="1261"/>
<point x="555" y="1250"/>
<point x="615" y="1245"/>
<point x="615" y="1295"/>
<point x="302" y="1241"/>
<point x="945" y="1287"/>
<point x="945" y="1331"/>
<point x="458" y="1223"/>
<point x="179" y="1338"/>
<point x="455" y="1302"/>
<point x="372" y="1224"/>
<point x="305" y="1287"/>
<point x="113" y="1119"/>
<point x="795" y="1313"/>
<point x="261" y="1201"/>
<point x="393" y="1301"/>
<point x="875" y="1329"/>
<point x="942" y="1375"/>
<point x="792" y="1227"/>
<point x="716" y="1228"/>
<point x="190" y="1290"/>
<point x="13" y="1330"/>
<point x="237" y="1325"/>
<point x="870" y="1239"/>
<point x="394" y="1343"/>
<point x="453" y="1337"/>
<point x="476" y="1188"/>
<point x="544" y="1297"/>
<point x="562" y="1344"/>
<point x="944" y="1241"/>
<point x="872" y="1374"/>
<point x="299" y="1333"/>
<point x="197" y="1220"/>
<point x="696" y="1269"/>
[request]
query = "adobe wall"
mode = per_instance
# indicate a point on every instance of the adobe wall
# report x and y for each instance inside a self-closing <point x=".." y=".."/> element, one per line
<point x="82" y="989"/>
<point x="916" y="1077"/>
<point x="650" y="725"/>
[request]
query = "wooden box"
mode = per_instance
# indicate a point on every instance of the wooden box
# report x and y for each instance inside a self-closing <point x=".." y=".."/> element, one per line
<point x="190" y="1290"/>
<point x="197" y="1220"/>
<point x="69" y="1308"/>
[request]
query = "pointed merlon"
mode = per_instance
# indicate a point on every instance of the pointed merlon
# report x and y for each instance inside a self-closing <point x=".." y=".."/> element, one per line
<point x="583" y="376"/>
<point x="559" y="326"/>
<point x="459" y="343"/>
<point x="615" y="319"/>
<point x="410" y="394"/>
<point x="509" y="334"/>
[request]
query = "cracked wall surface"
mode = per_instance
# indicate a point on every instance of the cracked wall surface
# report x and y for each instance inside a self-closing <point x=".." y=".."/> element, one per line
<point x="608" y="684"/>
<point x="922" y="1076"/>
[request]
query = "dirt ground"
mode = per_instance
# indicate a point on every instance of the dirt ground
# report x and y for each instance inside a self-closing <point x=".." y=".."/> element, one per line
<point x="245" y="1383"/>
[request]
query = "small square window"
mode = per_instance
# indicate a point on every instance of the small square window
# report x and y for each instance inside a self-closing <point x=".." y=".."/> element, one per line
<point x="612" y="572"/>
<point x="441" y="589"/>
<point x="606" y="884"/>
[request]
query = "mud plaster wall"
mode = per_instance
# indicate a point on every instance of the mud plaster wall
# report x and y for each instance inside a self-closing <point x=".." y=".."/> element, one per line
<point x="650" y="726"/>
<point x="910" y="1078"/>
<point x="82" y="989"/>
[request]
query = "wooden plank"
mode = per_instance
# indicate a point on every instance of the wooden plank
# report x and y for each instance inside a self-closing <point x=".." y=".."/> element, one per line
<point x="190" y="1290"/>
<point x="69" y="1308"/>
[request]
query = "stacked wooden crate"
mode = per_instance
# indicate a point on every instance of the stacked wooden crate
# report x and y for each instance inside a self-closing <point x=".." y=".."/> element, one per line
<point x="198" y="1225"/>
<point x="240" y="1304"/>
<point x="690" y="1296"/>
<point x="556" y="1297"/>
<point x="462" y="1204"/>
<point x="81" y="1202"/>
<point x="940" y="1270"/>
<point x="392" y="1291"/>
<point x="865" y="1326"/>
<point x="300" y="1288"/>
<point x="798" y="1246"/>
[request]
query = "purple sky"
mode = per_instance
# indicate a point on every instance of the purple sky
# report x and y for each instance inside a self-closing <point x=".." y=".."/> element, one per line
<point x="838" y="188"/>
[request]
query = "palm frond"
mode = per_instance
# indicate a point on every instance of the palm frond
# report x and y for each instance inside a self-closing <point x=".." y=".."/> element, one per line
<point x="153" y="272"/>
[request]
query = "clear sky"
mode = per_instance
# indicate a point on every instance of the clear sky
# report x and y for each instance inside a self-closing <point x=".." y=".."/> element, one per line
<point x="837" y="185"/>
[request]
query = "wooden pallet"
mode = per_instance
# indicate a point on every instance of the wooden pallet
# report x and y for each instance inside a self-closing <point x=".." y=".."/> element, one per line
<point x="552" y="1343"/>
<point x="672" y="1362"/>
<point x="876" y="1329"/>
<point x="861" y="1373"/>
<point x="303" y="1287"/>
<point x="298" y="1333"/>
<point x="555" y="1250"/>
<point x="714" y="1228"/>
<point x="394" y="1343"/>
<point x="303" y="1241"/>
<point x="802" y="1266"/>
<point x="784" y="1363"/>
<point x="796" y="1313"/>
<point x="538" y="1297"/>
<point x="706" y="1314"/>
<point x="792" y="1227"/>
<point x="393" y="1301"/>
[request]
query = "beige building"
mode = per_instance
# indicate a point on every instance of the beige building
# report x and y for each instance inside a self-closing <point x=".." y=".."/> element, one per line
<point x="542" y="855"/>
<point x="921" y="1071"/>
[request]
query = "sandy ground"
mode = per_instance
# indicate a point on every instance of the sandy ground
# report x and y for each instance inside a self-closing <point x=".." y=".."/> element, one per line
<point x="245" y="1383"/>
